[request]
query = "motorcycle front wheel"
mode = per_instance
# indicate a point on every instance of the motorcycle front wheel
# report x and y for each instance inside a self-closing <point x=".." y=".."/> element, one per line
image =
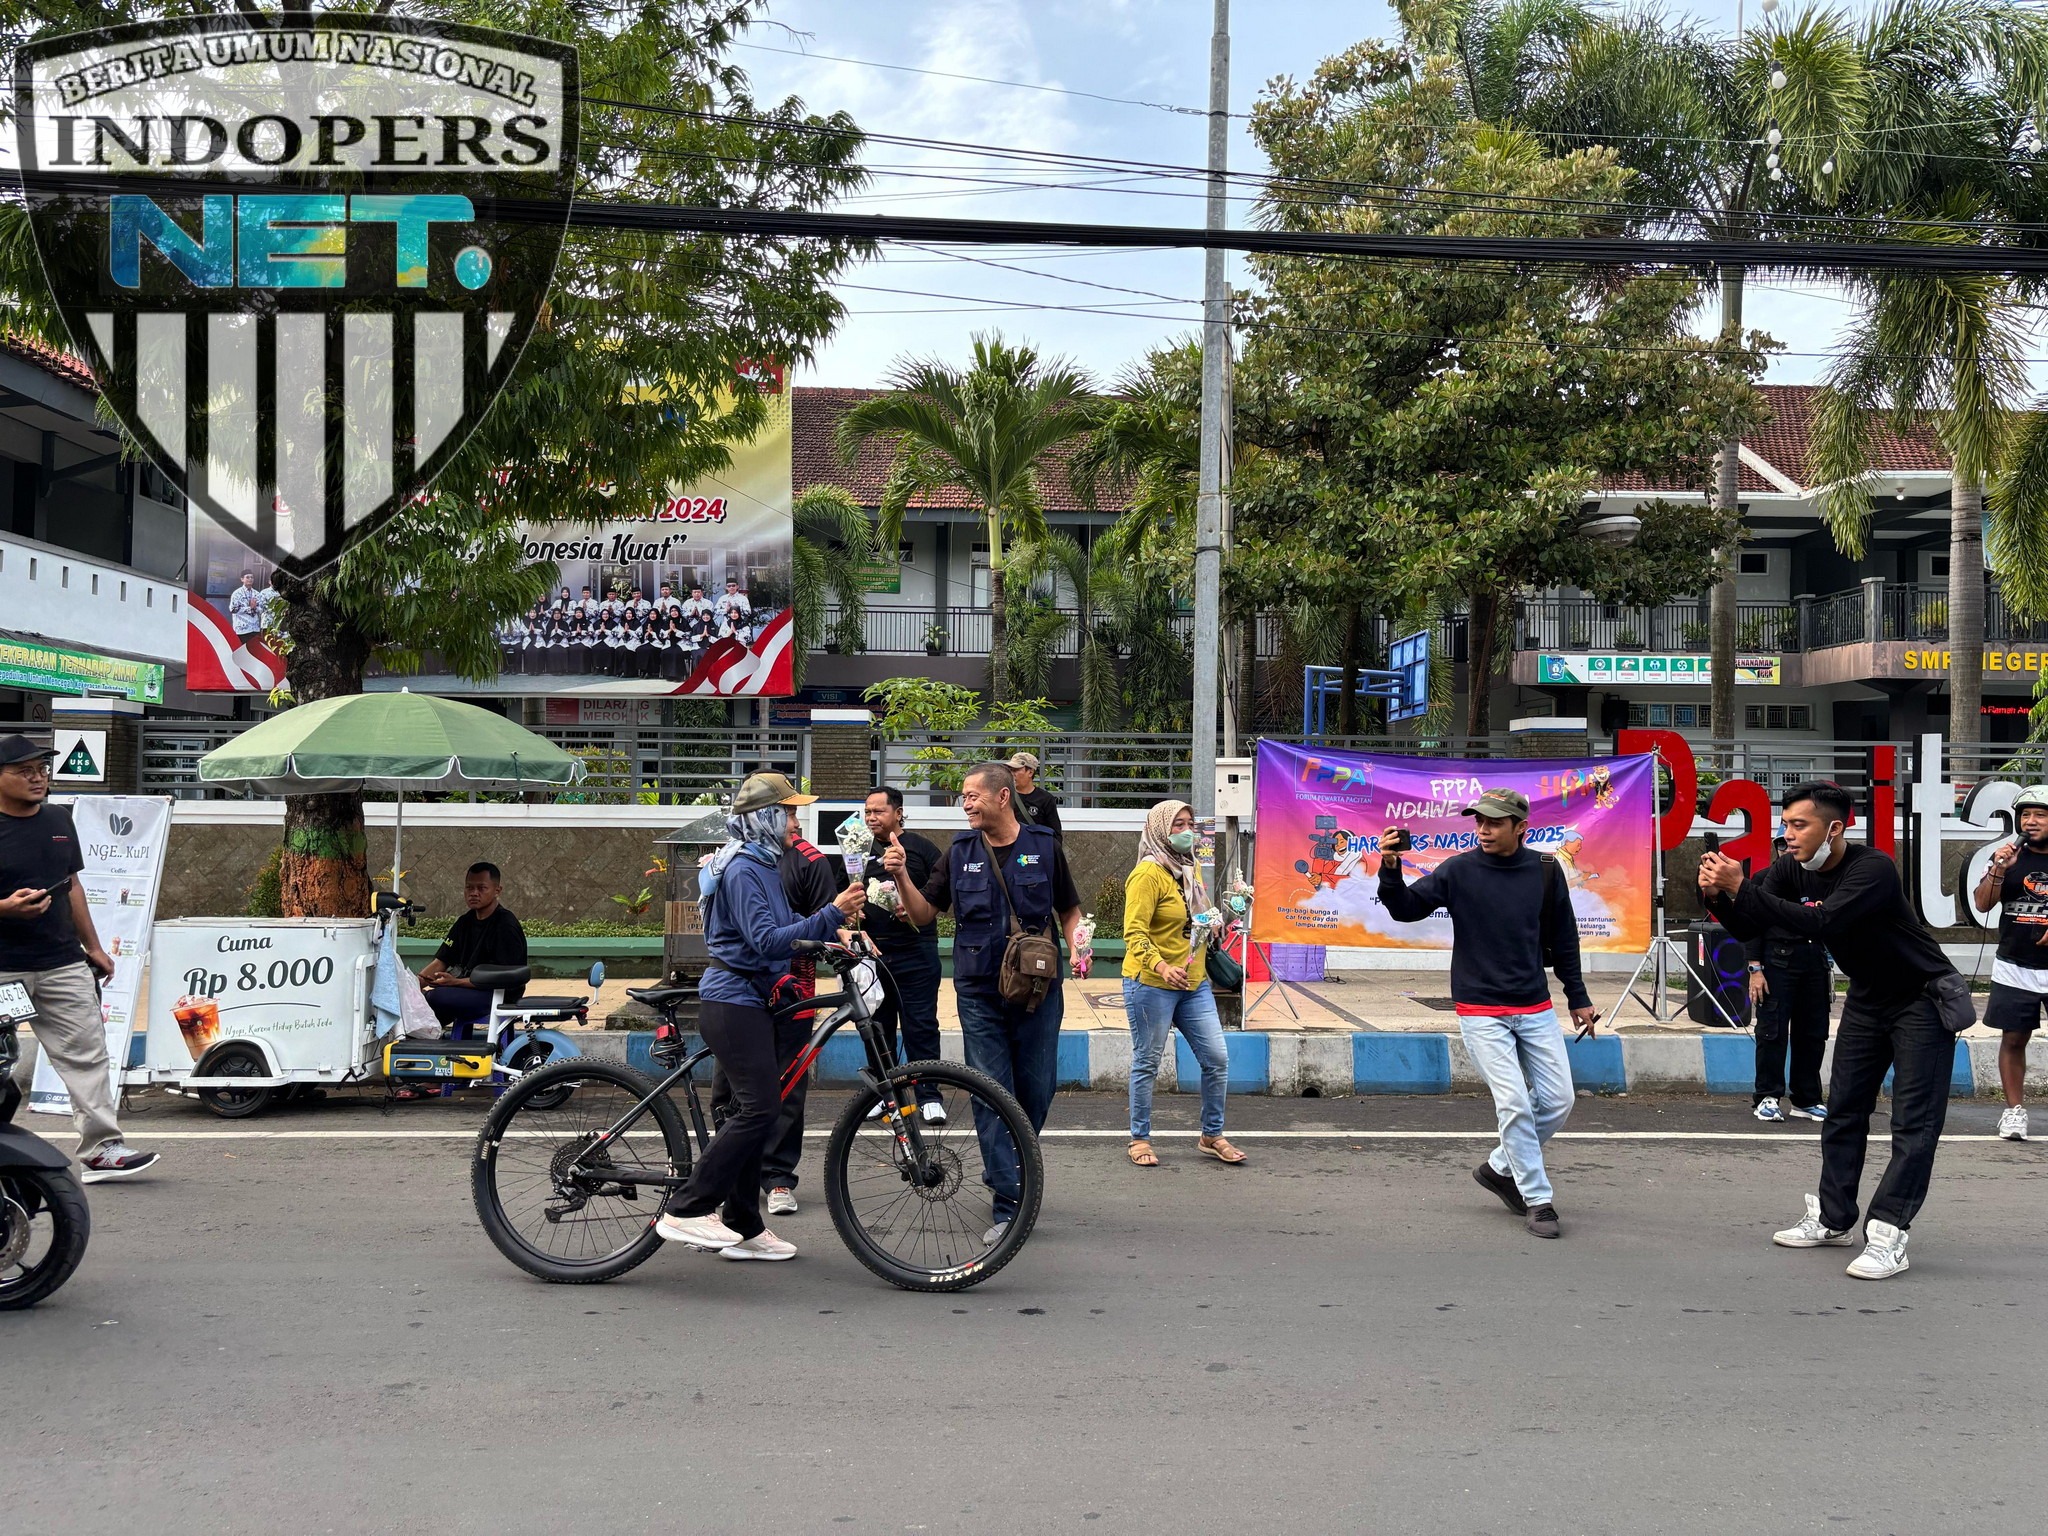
<point x="44" y="1225"/>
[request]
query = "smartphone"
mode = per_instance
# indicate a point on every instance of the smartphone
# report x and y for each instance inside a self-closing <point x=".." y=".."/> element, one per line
<point x="1712" y="840"/>
<point x="59" y="888"/>
<point x="1396" y="841"/>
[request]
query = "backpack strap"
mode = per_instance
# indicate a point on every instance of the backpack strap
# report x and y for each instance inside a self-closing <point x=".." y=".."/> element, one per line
<point x="1003" y="885"/>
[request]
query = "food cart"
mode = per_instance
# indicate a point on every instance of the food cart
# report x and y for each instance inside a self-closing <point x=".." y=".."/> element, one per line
<point x="243" y="1010"/>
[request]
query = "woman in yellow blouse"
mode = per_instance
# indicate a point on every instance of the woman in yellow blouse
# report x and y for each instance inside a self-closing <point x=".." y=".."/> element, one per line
<point x="1166" y="985"/>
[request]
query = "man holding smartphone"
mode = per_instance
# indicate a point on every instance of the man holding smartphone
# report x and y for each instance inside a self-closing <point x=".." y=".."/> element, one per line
<point x="48" y="944"/>
<point x="2016" y="882"/>
<point x="1511" y="918"/>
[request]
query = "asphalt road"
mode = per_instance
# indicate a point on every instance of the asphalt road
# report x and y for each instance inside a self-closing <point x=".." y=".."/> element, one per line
<point x="313" y="1335"/>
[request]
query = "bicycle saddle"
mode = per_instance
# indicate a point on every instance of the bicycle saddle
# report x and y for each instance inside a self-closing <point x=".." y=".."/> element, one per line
<point x="660" y="997"/>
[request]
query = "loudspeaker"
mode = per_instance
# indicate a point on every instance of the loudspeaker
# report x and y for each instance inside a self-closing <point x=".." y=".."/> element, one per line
<point x="1718" y="956"/>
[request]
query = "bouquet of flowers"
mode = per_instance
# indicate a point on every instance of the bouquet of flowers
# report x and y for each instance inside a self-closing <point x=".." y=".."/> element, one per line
<point x="1084" y="943"/>
<point x="855" y="844"/>
<point x="882" y="893"/>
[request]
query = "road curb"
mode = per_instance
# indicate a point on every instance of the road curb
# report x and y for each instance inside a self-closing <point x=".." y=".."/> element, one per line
<point x="1330" y="1062"/>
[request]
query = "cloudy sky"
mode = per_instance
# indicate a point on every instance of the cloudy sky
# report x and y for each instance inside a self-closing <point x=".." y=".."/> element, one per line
<point x="1102" y="308"/>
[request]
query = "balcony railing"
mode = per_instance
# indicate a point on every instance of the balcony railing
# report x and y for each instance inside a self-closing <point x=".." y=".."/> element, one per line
<point x="1587" y="624"/>
<point x="908" y="632"/>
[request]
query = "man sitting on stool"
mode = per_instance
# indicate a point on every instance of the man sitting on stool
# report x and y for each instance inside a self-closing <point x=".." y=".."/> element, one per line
<point x="487" y="934"/>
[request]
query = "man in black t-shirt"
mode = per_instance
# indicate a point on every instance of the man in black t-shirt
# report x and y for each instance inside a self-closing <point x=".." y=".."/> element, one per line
<point x="47" y="943"/>
<point x="910" y="954"/>
<point x="1849" y="895"/>
<point x="487" y="934"/>
<point x="1035" y="807"/>
<point x="2016" y="882"/>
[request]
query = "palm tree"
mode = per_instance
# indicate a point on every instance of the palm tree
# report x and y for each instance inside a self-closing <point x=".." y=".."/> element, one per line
<point x="988" y="432"/>
<point x="832" y="546"/>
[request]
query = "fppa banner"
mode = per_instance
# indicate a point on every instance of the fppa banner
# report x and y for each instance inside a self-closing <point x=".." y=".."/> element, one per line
<point x="1320" y="815"/>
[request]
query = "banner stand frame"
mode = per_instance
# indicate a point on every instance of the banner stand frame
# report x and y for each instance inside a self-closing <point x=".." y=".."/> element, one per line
<point x="1662" y="946"/>
<point x="1273" y="983"/>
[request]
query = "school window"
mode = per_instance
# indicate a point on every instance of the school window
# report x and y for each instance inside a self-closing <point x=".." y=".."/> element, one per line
<point x="1777" y="717"/>
<point x="1937" y="567"/>
<point x="1756" y="562"/>
<point x="1686" y="717"/>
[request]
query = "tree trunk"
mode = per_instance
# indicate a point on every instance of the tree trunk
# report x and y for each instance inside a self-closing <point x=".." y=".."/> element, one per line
<point x="998" y="612"/>
<point x="1727" y="496"/>
<point x="1347" y="698"/>
<point x="1482" y="632"/>
<point x="1966" y="611"/>
<point x="324" y="871"/>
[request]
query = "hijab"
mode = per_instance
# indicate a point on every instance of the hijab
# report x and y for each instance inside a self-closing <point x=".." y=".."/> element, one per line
<point x="756" y="832"/>
<point x="1153" y="845"/>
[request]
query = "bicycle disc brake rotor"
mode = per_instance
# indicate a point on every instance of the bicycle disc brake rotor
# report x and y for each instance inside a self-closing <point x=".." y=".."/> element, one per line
<point x="14" y="1231"/>
<point x="945" y="1173"/>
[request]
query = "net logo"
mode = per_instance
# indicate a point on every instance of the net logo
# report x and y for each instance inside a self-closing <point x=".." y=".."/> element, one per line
<point x="1337" y="778"/>
<point x="302" y="253"/>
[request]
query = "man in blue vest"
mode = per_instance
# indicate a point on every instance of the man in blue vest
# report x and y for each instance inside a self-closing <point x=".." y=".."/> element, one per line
<point x="1016" y="1045"/>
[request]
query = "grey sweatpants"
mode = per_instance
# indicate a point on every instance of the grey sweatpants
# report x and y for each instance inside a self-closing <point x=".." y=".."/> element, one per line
<point x="68" y="1025"/>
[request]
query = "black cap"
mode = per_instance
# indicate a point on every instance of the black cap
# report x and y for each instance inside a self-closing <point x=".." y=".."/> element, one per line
<point x="19" y="749"/>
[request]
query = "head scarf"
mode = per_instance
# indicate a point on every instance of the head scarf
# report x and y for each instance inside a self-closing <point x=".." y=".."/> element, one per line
<point x="756" y="832"/>
<point x="1153" y="845"/>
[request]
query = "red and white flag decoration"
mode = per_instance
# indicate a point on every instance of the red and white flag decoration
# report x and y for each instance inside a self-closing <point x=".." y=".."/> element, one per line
<point x="217" y="660"/>
<point x="763" y="668"/>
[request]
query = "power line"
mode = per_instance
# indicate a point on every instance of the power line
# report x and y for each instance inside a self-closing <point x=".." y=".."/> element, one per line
<point x="1015" y="85"/>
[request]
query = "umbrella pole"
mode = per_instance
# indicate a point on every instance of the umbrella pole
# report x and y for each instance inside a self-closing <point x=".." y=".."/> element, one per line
<point x="398" y="847"/>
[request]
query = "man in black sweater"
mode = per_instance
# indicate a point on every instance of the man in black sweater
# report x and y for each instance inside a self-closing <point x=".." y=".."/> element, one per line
<point x="1849" y="895"/>
<point x="1511" y="915"/>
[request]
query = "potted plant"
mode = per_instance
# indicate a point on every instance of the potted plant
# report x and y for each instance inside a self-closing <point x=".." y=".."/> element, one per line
<point x="1698" y="637"/>
<point x="1578" y="639"/>
<point x="935" y="639"/>
<point x="1627" y="640"/>
<point x="1931" y="618"/>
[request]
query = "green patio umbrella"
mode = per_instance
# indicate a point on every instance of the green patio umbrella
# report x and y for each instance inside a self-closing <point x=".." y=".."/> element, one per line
<point x="396" y="741"/>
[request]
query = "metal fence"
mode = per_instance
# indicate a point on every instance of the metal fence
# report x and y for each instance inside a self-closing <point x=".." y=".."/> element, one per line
<point x="1587" y="624"/>
<point x="628" y="765"/>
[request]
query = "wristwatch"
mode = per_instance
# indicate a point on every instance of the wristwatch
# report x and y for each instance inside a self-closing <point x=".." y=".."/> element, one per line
<point x="1756" y="968"/>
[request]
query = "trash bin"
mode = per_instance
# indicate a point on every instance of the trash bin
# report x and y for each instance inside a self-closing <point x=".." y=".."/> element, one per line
<point x="1718" y="957"/>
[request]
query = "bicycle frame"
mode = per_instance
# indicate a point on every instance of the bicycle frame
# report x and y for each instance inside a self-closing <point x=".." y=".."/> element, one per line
<point x="852" y="1007"/>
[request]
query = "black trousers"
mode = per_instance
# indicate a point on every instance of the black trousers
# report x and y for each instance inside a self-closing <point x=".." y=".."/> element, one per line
<point x="785" y="1146"/>
<point x="1920" y="1054"/>
<point x="910" y="1001"/>
<point x="727" y="1178"/>
<point x="1797" y="1003"/>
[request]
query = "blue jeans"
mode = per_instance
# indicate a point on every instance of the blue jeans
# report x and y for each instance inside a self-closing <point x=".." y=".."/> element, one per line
<point x="1522" y="1058"/>
<point x="1021" y="1051"/>
<point x="1155" y="1011"/>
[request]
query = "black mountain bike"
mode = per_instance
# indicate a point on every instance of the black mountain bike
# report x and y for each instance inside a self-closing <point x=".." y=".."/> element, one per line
<point x="569" y="1185"/>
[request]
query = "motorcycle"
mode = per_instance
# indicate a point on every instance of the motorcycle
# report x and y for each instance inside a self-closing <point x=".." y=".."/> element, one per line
<point x="44" y="1220"/>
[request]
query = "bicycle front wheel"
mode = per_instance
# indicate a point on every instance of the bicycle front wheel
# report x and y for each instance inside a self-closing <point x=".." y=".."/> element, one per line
<point x="554" y="1204"/>
<point x="958" y="1209"/>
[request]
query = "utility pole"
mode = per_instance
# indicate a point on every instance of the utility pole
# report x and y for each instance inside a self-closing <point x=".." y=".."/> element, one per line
<point x="1213" y="489"/>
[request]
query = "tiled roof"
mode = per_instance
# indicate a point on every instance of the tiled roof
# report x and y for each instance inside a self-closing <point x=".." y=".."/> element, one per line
<point x="815" y="410"/>
<point x="1784" y="442"/>
<point x="70" y="369"/>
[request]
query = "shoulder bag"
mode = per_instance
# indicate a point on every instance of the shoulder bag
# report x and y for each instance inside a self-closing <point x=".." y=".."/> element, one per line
<point x="1031" y="961"/>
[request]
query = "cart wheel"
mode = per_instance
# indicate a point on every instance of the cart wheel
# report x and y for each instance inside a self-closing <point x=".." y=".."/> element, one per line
<point x="238" y="1103"/>
<point x="531" y="1058"/>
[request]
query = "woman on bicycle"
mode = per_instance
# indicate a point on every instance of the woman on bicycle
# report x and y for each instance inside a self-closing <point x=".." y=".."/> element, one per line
<point x="749" y="930"/>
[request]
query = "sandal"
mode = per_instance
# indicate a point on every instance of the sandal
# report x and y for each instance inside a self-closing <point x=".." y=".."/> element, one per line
<point x="1142" y="1155"/>
<point x="1220" y="1149"/>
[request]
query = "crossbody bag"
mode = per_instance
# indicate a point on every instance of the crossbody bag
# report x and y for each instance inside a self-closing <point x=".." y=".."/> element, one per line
<point x="1031" y="961"/>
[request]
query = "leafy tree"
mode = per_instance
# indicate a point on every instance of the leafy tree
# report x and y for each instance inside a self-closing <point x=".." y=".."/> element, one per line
<point x="1433" y="428"/>
<point x="989" y="432"/>
<point x="626" y="382"/>
<point x="1133" y="661"/>
<point x="830" y="552"/>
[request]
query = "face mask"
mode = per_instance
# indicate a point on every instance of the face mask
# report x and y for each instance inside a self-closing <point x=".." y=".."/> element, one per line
<point x="1181" y="842"/>
<point x="1827" y="850"/>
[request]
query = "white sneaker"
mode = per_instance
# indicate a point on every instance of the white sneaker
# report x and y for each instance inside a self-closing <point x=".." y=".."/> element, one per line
<point x="933" y="1111"/>
<point x="1767" y="1109"/>
<point x="113" y="1160"/>
<point x="697" y="1231"/>
<point x="1885" y="1254"/>
<point x="994" y="1234"/>
<point x="781" y="1202"/>
<point x="1813" y="1232"/>
<point x="763" y="1245"/>
<point x="2012" y="1125"/>
<point x="1810" y="1111"/>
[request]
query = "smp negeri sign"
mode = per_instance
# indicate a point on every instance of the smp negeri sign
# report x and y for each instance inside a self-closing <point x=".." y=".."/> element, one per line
<point x="301" y="252"/>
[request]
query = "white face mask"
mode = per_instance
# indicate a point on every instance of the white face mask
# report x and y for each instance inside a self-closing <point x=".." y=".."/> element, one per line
<point x="1827" y="850"/>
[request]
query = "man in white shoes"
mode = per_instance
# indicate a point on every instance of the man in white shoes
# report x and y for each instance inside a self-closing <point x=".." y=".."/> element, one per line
<point x="1849" y="895"/>
<point x="2016" y="883"/>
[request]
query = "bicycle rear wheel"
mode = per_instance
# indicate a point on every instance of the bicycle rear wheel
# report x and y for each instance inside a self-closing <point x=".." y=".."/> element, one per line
<point x="935" y="1227"/>
<point x="550" y="1205"/>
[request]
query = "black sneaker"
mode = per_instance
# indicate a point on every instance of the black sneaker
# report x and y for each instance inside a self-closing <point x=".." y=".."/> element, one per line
<point x="1542" y="1221"/>
<point x="1487" y="1177"/>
